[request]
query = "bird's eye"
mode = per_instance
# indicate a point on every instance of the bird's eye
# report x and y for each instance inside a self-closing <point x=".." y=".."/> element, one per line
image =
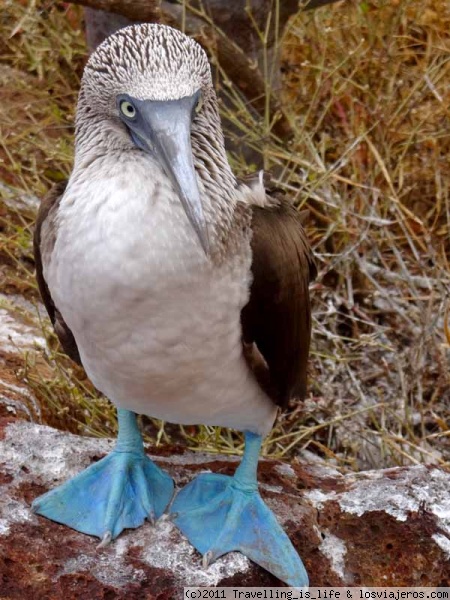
<point x="199" y="105"/>
<point x="128" y="109"/>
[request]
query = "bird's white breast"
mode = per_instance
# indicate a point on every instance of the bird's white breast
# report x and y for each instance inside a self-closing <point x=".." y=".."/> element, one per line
<point x="156" y="323"/>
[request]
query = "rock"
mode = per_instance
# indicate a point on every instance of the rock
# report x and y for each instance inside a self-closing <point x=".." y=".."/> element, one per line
<point x="20" y="334"/>
<point x="382" y="528"/>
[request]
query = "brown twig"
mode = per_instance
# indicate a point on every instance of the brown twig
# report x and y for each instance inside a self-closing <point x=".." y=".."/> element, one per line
<point x="149" y="10"/>
<point x="318" y="3"/>
<point x="135" y="10"/>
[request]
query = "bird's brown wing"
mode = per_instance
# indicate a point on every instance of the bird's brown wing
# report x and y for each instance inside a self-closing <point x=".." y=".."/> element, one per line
<point x="276" y="322"/>
<point x="43" y="242"/>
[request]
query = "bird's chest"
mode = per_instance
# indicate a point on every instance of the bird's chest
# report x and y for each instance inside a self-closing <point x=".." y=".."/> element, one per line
<point x="133" y="283"/>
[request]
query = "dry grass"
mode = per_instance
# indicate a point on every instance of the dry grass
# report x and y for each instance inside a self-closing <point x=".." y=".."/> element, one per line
<point x="366" y="86"/>
<point x="371" y="160"/>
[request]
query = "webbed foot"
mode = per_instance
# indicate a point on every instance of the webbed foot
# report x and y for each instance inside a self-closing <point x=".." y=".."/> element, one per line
<point x="118" y="492"/>
<point x="218" y="515"/>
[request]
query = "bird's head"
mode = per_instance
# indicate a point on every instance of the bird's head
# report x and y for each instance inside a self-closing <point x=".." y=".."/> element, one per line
<point x="149" y="87"/>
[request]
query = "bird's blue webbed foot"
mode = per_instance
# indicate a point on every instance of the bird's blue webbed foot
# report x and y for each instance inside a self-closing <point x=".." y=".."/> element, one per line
<point x="118" y="492"/>
<point x="220" y="514"/>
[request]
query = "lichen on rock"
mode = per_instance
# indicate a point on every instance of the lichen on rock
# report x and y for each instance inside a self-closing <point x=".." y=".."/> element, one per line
<point x="387" y="527"/>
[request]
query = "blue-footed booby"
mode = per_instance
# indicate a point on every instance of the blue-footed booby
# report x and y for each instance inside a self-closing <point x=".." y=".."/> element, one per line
<point x="182" y="291"/>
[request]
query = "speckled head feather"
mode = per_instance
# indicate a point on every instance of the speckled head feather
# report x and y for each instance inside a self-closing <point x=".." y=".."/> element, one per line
<point x="148" y="62"/>
<point x="156" y="61"/>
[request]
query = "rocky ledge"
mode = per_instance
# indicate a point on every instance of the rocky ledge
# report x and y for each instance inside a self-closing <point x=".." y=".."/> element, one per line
<point x="385" y="528"/>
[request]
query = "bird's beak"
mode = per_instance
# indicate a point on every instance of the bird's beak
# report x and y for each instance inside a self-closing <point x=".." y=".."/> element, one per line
<point x="163" y="128"/>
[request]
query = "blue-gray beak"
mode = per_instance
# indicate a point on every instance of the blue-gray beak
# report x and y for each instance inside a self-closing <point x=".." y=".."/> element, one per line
<point x="163" y="128"/>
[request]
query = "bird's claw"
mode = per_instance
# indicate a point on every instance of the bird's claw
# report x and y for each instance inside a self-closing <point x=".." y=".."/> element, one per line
<point x="207" y="559"/>
<point x="106" y="540"/>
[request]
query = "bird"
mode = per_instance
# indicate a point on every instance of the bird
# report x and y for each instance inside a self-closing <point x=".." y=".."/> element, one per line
<point x="182" y="290"/>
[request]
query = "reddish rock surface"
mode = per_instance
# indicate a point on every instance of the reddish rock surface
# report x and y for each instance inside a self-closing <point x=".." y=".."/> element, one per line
<point x="380" y="528"/>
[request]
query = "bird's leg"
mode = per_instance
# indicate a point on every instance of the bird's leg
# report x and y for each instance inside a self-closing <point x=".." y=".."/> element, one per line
<point x="219" y="514"/>
<point x="118" y="492"/>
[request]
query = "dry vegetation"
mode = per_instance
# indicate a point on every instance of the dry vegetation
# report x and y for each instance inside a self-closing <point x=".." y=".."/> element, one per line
<point x="367" y="86"/>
